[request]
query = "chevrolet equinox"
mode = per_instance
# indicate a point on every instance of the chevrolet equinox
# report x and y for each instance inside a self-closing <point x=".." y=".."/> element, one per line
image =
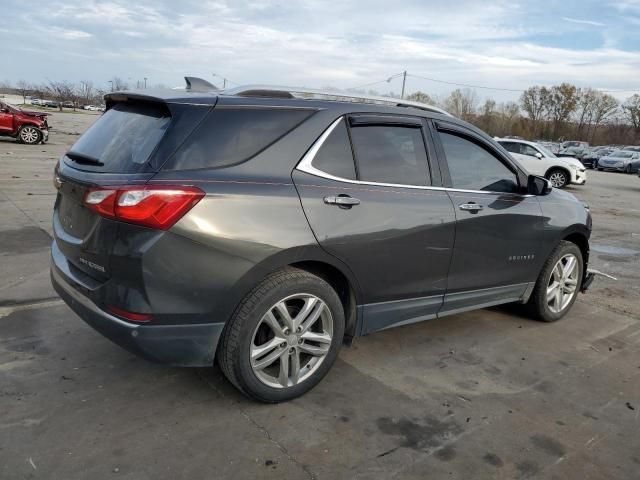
<point x="263" y="229"/>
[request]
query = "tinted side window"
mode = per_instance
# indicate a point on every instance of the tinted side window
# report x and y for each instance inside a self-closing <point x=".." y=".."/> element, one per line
<point x="390" y="154"/>
<point x="229" y="136"/>
<point x="473" y="168"/>
<point x="335" y="156"/>
<point x="528" y="150"/>
<point x="512" y="147"/>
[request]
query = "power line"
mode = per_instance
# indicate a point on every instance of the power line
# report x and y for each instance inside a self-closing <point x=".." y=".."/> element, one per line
<point x="484" y="87"/>
<point x="387" y="80"/>
<point x="469" y="85"/>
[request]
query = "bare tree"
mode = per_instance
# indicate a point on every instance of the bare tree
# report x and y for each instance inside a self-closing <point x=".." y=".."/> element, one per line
<point x="462" y="103"/>
<point x="24" y="88"/>
<point x="631" y="111"/>
<point x="585" y="104"/>
<point x="535" y="101"/>
<point x="421" y="97"/>
<point x="119" y="84"/>
<point x="562" y="103"/>
<point x="85" y="91"/>
<point x="61" y="92"/>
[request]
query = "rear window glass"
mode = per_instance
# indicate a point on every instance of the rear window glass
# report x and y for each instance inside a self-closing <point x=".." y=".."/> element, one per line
<point x="231" y="135"/>
<point x="123" y="139"/>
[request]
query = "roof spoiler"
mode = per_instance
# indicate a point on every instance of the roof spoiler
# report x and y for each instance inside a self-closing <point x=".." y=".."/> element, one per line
<point x="196" y="84"/>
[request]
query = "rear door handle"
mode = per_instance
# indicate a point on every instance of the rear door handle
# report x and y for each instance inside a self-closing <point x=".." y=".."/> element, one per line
<point x="343" y="201"/>
<point x="470" y="207"/>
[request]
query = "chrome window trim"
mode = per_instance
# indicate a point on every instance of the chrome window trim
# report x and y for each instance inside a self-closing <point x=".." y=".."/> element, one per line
<point x="306" y="165"/>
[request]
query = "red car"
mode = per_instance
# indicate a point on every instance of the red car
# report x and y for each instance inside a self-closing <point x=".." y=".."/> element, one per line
<point x="26" y="127"/>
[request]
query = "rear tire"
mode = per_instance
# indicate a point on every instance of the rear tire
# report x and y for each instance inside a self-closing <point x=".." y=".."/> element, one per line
<point x="272" y="349"/>
<point x="558" y="178"/>
<point x="558" y="285"/>
<point x="29" y="135"/>
<point x="627" y="169"/>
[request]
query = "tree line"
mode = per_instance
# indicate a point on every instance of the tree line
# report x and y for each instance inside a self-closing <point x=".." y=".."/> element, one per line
<point x="556" y="113"/>
<point x="63" y="92"/>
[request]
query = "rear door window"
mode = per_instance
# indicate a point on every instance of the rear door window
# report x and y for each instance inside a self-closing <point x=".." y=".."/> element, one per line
<point x="228" y="136"/>
<point x="122" y="140"/>
<point x="335" y="156"/>
<point x="390" y="154"/>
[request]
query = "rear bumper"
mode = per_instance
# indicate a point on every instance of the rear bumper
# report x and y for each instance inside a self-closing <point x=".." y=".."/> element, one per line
<point x="189" y="345"/>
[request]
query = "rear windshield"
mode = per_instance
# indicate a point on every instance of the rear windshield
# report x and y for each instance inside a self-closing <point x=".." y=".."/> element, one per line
<point x="122" y="140"/>
<point x="232" y="135"/>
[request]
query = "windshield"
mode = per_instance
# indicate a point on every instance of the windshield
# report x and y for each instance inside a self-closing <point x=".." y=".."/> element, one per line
<point x="546" y="152"/>
<point x="621" y="154"/>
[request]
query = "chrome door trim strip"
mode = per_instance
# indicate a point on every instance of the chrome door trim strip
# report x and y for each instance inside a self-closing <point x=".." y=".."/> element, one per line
<point x="306" y="165"/>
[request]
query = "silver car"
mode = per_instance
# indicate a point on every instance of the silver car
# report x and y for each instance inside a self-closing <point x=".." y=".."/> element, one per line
<point x="621" y="160"/>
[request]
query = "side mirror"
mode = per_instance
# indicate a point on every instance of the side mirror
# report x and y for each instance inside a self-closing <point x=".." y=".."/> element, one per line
<point x="538" y="185"/>
<point x="538" y="155"/>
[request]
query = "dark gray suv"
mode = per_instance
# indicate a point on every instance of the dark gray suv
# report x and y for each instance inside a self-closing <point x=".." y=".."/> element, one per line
<point x="263" y="230"/>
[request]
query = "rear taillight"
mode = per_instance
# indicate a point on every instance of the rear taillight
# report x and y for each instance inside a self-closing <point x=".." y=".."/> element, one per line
<point x="154" y="206"/>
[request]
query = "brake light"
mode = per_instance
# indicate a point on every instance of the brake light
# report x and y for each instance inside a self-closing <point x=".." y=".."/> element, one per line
<point x="132" y="316"/>
<point x="154" y="206"/>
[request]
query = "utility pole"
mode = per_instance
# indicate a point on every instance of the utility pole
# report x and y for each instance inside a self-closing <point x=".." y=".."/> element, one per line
<point x="111" y="82"/>
<point x="404" y="80"/>
<point x="145" y="82"/>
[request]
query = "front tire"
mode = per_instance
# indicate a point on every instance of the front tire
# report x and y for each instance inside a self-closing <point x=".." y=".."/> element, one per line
<point x="558" y="178"/>
<point x="558" y="285"/>
<point x="283" y="338"/>
<point x="29" y="135"/>
<point x="627" y="169"/>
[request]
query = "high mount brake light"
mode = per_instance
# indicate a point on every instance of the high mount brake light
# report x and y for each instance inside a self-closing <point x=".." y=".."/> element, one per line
<point x="154" y="206"/>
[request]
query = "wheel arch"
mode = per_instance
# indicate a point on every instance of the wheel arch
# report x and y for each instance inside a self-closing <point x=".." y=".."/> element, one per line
<point x="558" y="167"/>
<point x="579" y="235"/>
<point x="316" y="261"/>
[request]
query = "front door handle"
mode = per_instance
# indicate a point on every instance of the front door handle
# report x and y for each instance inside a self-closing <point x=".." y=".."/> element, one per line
<point x="470" y="207"/>
<point x="343" y="201"/>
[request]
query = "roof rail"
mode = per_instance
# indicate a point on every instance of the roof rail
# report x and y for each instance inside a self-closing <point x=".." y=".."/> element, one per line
<point x="295" y="92"/>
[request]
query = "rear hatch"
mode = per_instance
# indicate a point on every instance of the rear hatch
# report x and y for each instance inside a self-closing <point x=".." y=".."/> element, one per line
<point x="118" y="149"/>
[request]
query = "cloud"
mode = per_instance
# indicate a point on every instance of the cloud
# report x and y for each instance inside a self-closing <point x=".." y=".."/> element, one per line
<point x="509" y="44"/>
<point x="584" y="22"/>
<point x="69" y="34"/>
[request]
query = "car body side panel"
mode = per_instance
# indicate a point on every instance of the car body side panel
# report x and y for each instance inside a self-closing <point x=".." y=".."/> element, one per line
<point x="397" y="242"/>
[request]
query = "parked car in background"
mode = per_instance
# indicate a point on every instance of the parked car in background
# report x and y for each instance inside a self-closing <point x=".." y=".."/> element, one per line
<point x="553" y="147"/>
<point x="91" y="108"/>
<point x="536" y="159"/>
<point x="436" y="219"/>
<point x="36" y="101"/>
<point x="25" y="126"/>
<point x="50" y="104"/>
<point x="621" y="160"/>
<point x="573" y="149"/>
<point x="632" y="148"/>
<point x="591" y="158"/>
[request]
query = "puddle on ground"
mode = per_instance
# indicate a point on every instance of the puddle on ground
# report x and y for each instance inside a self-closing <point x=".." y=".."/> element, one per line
<point x="611" y="250"/>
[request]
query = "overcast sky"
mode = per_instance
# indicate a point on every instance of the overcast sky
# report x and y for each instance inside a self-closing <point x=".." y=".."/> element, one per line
<point x="317" y="43"/>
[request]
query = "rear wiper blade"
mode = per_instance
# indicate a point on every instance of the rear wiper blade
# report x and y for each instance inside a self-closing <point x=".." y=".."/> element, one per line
<point x="83" y="158"/>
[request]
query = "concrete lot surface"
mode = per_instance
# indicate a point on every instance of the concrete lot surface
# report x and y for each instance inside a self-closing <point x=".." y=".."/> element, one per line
<point x="486" y="394"/>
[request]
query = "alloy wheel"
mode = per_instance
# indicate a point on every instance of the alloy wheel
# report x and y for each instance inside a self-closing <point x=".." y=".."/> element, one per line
<point x="558" y="179"/>
<point x="291" y="340"/>
<point x="29" y="135"/>
<point x="563" y="283"/>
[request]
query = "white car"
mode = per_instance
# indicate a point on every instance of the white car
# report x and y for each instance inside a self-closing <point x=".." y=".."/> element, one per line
<point x="538" y="160"/>
<point x="91" y="108"/>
